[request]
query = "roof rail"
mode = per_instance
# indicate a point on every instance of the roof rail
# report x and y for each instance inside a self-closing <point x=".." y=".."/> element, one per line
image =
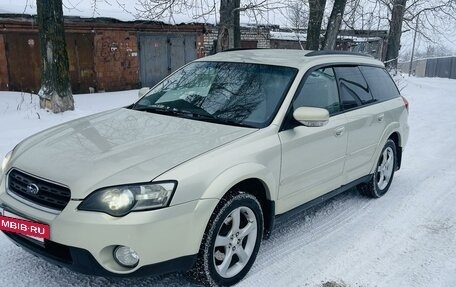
<point x="328" y="52"/>
<point x="242" y="49"/>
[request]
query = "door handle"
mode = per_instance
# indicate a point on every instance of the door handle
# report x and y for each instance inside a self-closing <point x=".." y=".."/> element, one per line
<point x="380" y="117"/>
<point x="339" y="131"/>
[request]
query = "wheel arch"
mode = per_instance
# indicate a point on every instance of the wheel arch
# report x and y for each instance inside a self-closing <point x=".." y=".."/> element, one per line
<point x="258" y="188"/>
<point x="391" y="132"/>
<point x="250" y="178"/>
<point x="396" y="138"/>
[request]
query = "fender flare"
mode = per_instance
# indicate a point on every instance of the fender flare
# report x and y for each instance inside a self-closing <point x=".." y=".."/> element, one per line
<point x="238" y="173"/>
<point x="389" y="130"/>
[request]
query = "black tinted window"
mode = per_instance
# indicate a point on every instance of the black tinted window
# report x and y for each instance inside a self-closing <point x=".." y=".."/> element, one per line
<point x="354" y="91"/>
<point x="380" y="83"/>
<point x="320" y="91"/>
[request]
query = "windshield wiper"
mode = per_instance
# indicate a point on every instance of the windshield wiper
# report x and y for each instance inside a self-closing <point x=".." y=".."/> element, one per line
<point x="233" y="123"/>
<point x="160" y="109"/>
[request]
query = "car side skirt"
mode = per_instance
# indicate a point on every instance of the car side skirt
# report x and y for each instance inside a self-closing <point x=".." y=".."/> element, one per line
<point x="281" y="218"/>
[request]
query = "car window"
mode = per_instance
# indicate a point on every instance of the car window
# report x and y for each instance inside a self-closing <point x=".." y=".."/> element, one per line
<point x="380" y="82"/>
<point x="354" y="91"/>
<point x="224" y="92"/>
<point x="319" y="90"/>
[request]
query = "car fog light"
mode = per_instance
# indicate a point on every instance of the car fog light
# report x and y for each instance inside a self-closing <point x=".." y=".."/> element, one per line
<point x="126" y="256"/>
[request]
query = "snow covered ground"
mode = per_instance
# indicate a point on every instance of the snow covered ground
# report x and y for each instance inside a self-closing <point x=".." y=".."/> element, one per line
<point x="406" y="238"/>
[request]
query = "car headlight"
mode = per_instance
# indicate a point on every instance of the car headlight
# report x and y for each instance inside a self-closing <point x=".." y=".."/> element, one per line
<point x="6" y="160"/>
<point x="121" y="200"/>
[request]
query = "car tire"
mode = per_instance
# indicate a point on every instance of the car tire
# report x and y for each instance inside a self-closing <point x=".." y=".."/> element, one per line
<point x="231" y="241"/>
<point x="384" y="172"/>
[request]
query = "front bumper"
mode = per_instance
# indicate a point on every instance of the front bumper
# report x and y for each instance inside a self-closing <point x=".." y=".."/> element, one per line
<point x="166" y="239"/>
<point x="80" y="260"/>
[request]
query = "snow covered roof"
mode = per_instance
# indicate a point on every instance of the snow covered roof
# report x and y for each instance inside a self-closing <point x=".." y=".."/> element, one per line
<point x="289" y="36"/>
<point x="360" y="39"/>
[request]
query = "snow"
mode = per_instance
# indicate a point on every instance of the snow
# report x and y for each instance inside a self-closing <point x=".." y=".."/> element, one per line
<point x="360" y="39"/>
<point x="290" y="36"/>
<point x="406" y="238"/>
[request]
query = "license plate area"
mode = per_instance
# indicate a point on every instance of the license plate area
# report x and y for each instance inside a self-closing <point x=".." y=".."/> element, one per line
<point x="17" y="224"/>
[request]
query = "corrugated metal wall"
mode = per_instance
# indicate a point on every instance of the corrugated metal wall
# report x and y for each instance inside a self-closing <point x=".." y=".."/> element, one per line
<point x="434" y="67"/>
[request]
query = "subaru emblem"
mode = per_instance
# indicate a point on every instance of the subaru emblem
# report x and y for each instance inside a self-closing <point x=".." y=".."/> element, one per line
<point x="32" y="188"/>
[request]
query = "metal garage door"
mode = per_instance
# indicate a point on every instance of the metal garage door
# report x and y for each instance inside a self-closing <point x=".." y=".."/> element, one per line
<point x="81" y="61"/>
<point x="23" y="56"/>
<point x="162" y="54"/>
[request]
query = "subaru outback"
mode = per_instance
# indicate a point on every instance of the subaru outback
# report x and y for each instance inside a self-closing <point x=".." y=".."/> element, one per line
<point x="193" y="175"/>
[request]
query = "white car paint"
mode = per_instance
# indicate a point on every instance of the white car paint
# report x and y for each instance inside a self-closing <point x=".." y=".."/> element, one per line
<point x="206" y="159"/>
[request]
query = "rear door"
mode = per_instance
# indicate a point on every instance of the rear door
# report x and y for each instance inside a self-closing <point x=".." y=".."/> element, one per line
<point x="312" y="157"/>
<point x="365" y="121"/>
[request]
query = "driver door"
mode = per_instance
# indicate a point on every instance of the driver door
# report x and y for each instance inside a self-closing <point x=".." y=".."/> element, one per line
<point x="313" y="157"/>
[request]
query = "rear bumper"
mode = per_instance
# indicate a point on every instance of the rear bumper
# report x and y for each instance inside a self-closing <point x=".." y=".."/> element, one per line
<point x="80" y="260"/>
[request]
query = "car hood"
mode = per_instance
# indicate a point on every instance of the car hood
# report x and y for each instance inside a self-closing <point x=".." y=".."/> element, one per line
<point x="118" y="147"/>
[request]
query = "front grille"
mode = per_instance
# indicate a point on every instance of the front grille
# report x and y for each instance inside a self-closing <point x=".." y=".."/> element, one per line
<point x="49" y="195"/>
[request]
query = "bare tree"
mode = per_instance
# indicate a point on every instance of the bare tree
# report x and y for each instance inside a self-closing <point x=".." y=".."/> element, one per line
<point x="316" y="11"/>
<point x="167" y="9"/>
<point x="229" y="21"/>
<point x="334" y="23"/>
<point x="229" y="31"/>
<point x="395" y="33"/>
<point x="55" y="93"/>
<point x="400" y="17"/>
<point x="298" y="14"/>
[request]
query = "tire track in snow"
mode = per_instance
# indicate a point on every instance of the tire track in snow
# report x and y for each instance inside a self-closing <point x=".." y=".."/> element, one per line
<point x="293" y="237"/>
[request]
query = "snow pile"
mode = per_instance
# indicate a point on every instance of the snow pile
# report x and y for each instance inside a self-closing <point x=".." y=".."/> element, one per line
<point x="406" y="238"/>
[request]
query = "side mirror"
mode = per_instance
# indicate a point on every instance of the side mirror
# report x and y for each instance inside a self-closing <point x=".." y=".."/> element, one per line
<point x="143" y="91"/>
<point x="311" y="117"/>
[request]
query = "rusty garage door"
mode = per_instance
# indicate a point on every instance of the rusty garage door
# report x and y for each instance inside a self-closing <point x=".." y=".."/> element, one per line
<point x="162" y="54"/>
<point x="81" y="61"/>
<point x="23" y="57"/>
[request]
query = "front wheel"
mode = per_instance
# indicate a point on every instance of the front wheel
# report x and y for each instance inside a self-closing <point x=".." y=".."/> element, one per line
<point x="384" y="173"/>
<point x="231" y="241"/>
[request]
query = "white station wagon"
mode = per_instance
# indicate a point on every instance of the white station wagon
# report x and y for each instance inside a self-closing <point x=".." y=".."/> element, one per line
<point x="193" y="175"/>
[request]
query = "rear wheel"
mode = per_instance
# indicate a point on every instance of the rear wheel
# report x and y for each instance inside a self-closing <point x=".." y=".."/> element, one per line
<point x="384" y="172"/>
<point x="231" y="241"/>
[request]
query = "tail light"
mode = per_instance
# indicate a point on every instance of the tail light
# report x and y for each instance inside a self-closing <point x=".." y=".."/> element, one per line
<point x="406" y="103"/>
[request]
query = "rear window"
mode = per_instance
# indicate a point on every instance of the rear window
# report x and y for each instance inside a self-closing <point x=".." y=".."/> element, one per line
<point x="354" y="91"/>
<point x="382" y="86"/>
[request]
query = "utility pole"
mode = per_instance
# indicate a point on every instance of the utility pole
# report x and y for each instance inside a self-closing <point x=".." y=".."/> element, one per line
<point x="414" y="42"/>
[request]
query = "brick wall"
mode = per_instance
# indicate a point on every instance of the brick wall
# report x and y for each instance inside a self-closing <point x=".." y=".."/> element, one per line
<point x="116" y="60"/>
<point x="3" y="66"/>
<point x="286" y="44"/>
<point x="257" y="34"/>
<point x="261" y="35"/>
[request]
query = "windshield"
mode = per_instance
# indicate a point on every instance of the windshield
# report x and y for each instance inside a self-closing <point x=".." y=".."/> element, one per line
<point x="227" y="93"/>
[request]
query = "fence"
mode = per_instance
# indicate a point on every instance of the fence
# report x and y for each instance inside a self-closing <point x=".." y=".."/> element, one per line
<point x="444" y="67"/>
